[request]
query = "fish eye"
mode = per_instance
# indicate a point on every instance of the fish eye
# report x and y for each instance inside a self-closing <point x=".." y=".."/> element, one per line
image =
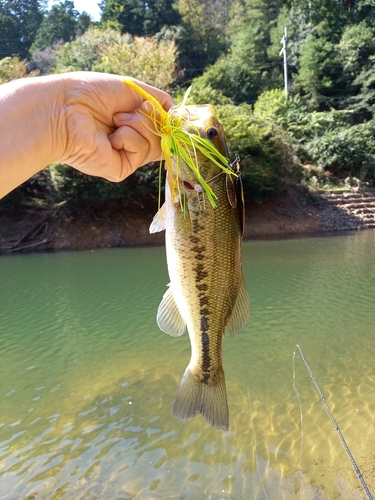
<point x="212" y="132"/>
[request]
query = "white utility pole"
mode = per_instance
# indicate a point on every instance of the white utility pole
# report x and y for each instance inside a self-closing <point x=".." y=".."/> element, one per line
<point x="283" y="51"/>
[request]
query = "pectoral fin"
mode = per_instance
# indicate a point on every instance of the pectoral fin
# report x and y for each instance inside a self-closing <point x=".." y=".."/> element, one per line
<point x="169" y="318"/>
<point x="158" y="222"/>
<point x="241" y="310"/>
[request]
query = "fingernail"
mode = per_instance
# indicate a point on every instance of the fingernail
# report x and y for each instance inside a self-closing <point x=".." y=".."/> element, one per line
<point x="148" y="107"/>
<point x="122" y="117"/>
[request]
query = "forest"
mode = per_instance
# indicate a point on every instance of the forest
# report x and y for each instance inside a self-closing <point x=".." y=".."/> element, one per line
<point x="320" y="133"/>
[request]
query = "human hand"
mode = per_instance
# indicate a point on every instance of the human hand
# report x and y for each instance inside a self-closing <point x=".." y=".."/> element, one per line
<point x="84" y="119"/>
<point x="104" y="135"/>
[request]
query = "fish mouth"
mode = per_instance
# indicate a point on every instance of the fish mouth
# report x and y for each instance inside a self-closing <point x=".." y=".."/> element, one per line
<point x="187" y="185"/>
<point x="190" y="185"/>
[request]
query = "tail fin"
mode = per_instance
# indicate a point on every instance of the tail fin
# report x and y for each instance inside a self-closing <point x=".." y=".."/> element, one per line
<point x="210" y="399"/>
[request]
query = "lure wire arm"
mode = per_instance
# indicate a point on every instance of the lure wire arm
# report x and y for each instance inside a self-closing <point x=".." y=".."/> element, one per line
<point x="236" y="163"/>
<point x="234" y="166"/>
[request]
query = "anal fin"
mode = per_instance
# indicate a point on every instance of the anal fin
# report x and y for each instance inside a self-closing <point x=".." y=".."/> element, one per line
<point x="241" y="310"/>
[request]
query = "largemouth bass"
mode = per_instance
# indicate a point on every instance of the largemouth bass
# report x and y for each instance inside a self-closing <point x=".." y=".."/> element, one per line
<point x="207" y="292"/>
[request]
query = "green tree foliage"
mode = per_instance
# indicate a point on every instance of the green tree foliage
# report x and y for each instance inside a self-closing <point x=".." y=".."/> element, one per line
<point x="62" y="183"/>
<point x="320" y="73"/>
<point x="60" y="24"/>
<point x="324" y="139"/>
<point x="83" y="53"/>
<point x="203" y="36"/>
<point x="246" y="70"/>
<point x="346" y="151"/>
<point x="357" y="54"/>
<point x="139" y="17"/>
<point x="364" y="101"/>
<point x="19" y="23"/>
<point x="143" y="58"/>
<point x="109" y="51"/>
<point x="10" y="39"/>
<point x="230" y="51"/>
<point x="269" y="161"/>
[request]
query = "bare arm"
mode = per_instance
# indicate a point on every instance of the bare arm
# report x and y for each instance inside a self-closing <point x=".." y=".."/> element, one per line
<point x="74" y="118"/>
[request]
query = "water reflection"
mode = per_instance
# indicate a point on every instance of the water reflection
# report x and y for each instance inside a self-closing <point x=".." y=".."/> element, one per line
<point x="88" y="381"/>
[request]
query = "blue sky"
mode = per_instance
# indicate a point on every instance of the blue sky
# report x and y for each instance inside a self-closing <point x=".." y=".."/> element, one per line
<point x="90" y="6"/>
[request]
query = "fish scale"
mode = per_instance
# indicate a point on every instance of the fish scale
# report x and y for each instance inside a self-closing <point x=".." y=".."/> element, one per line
<point x="207" y="292"/>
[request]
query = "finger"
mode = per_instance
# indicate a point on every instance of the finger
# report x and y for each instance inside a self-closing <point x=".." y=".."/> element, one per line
<point x="134" y="147"/>
<point x="146" y="116"/>
<point x="141" y="124"/>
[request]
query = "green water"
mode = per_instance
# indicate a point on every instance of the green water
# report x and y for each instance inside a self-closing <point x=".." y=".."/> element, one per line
<point x="87" y="381"/>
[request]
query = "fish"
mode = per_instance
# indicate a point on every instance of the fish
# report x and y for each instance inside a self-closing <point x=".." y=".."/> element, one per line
<point x="207" y="293"/>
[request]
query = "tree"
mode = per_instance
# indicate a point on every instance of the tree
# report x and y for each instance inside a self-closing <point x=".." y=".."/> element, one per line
<point x="246" y="70"/>
<point x="203" y="37"/>
<point x="356" y="52"/>
<point x="21" y="19"/>
<point x="59" y="24"/>
<point x="139" y="17"/>
<point x="357" y="44"/>
<point x="320" y="73"/>
<point x="364" y="101"/>
<point x="10" y="38"/>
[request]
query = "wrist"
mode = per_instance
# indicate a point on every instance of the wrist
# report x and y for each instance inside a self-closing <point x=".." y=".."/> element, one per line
<point x="32" y="130"/>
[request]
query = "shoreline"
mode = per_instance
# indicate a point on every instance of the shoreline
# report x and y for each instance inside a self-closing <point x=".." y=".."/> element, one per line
<point x="118" y="223"/>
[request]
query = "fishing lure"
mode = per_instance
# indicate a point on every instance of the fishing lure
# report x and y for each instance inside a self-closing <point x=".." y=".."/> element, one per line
<point x="179" y="144"/>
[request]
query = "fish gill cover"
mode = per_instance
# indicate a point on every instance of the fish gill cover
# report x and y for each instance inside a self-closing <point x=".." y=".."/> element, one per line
<point x="180" y="144"/>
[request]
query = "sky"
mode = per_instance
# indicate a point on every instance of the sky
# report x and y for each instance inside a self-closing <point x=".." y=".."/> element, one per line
<point x="90" y="6"/>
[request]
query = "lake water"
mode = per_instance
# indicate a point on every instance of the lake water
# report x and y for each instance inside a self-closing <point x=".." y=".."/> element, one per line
<point x="87" y="380"/>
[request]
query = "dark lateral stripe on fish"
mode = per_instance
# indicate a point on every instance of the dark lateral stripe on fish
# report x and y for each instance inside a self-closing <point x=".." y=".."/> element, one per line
<point x="198" y="250"/>
<point x="205" y="349"/>
<point x="201" y="273"/>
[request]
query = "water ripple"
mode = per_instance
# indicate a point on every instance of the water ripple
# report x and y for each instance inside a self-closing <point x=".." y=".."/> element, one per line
<point x="88" y="380"/>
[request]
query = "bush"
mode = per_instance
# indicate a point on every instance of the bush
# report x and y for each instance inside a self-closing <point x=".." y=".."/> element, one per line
<point x="44" y="61"/>
<point x="12" y="68"/>
<point x="346" y="151"/>
<point x="324" y="139"/>
<point x="70" y="184"/>
<point x="268" y="154"/>
<point x="109" y="51"/>
<point x="84" y="52"/>
<point x="201" y="93"/>
<point x="143" y="58"/>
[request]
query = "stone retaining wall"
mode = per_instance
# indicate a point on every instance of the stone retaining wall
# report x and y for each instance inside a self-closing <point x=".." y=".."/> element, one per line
<point x="347" y="210"/>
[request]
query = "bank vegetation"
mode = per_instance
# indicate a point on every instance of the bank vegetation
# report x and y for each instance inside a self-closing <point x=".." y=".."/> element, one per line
<point x="229" y="51"/>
